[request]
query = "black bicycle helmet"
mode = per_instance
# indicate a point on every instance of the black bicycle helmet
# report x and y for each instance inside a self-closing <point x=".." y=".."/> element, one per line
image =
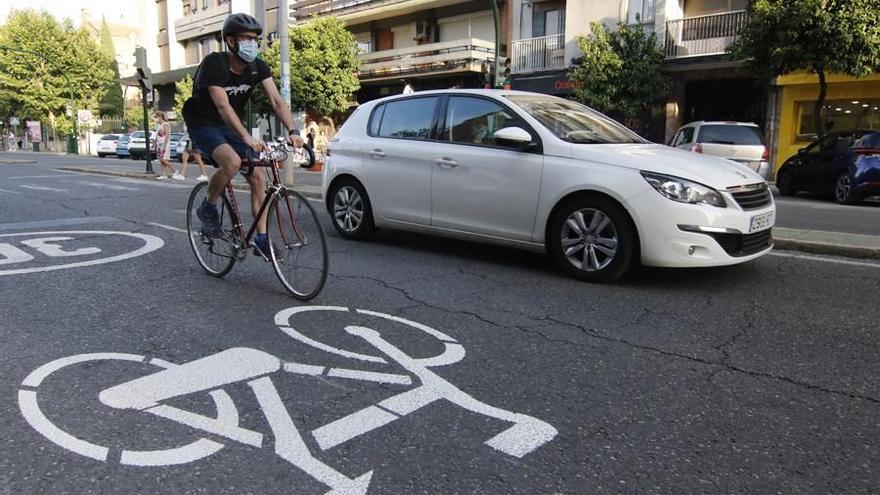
<point x="241" y="23"/>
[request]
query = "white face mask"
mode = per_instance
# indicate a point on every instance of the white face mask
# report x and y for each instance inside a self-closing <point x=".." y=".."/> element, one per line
<point x="248" y="50"/>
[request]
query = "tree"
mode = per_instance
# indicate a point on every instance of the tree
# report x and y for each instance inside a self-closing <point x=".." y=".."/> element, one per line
<point x="819" y="36"/>
<point x="183" y="89"/>
<point x="323" y="65"/>
<point x="621" y="72"/>
<point x="111" y="103"/>
<point x="34" y="86"/>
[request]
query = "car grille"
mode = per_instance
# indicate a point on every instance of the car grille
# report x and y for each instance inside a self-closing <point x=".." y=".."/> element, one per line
<point x="744" y="244"/>
<point x="752" y="196"/>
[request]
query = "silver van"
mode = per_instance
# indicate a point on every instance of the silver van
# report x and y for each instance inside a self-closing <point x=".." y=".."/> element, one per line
<point x="741" y="142"/>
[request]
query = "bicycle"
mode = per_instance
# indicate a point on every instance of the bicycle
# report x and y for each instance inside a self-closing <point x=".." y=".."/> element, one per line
<point x="297" y="246"/>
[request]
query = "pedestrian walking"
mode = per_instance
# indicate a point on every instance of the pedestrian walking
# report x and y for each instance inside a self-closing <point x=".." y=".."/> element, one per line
<point x="163" y="147"/>
<point x="192" y="150"/>
<point x="10" y="140"/>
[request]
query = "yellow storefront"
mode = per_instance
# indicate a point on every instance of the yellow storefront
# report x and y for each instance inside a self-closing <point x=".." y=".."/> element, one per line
<point x="851" y="104"/>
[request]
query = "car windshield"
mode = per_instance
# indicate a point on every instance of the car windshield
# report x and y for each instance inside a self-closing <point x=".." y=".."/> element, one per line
<point x="109" y="137"/>
<point x="574" y="122"/>
<point x="730" y="134"/>
<point x="138" y="134"/>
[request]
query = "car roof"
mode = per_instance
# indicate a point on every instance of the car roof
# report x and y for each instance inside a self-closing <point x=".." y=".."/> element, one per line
<point x="719" y="122"/>
<point x="497" y="93"/>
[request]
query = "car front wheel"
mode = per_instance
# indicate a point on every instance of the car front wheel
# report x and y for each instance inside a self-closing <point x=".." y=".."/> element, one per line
<point x="783" y="183"/>
<point x="593" y="239"/>
<point x="351" y="210"/>
<point x="843" y="189"/>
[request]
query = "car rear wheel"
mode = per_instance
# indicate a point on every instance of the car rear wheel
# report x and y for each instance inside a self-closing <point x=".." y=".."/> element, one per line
<point x="593" y="239"/>
<point x="350" y="210"/>
<point x="843" y="189"/>
<point x="783" y="183"/>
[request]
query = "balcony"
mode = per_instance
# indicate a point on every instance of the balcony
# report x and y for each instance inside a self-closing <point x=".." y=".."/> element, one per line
<point x="356" y="11"/>
<point x="465" y="55"/>
<point x="538" y="54"/>
<point x="703" y="35"/>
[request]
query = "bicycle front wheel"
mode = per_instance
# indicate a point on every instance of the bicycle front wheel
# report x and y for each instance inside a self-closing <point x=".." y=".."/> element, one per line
<point x="297" y="245"/>
<point x="216" y="256"/>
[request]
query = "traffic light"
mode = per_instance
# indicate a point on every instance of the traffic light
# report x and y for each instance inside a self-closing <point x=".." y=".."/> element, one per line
<point x="144" y="73"/>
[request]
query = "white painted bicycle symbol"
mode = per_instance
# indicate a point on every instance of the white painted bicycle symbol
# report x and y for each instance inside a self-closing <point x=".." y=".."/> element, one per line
<point x="254" y="368"/>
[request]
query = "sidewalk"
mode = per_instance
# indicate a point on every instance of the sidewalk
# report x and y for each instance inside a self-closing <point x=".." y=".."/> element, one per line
<point x="809" y="241"/>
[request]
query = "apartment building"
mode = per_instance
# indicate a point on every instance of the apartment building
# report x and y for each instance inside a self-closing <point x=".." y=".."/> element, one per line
<point x="427" y="44"/>
<point x="695" y="35"/>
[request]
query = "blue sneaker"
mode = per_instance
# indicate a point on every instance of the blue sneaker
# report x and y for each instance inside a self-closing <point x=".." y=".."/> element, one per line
<point x="207" y="214"/>
<point x="261" y="245"/>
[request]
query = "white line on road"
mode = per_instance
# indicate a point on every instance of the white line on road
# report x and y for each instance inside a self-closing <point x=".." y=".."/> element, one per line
<point x="39" y="176"/>
<point x="112" y="187"/>
<point x="42" y="188"/>
<point x="9" y="192"/>
<point x="826" y="260"/>
<point x="153" y="182"/>
<point x="167" y="227"/>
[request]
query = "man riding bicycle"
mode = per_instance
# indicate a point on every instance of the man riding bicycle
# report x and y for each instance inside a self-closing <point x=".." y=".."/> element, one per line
<point x="222" y="86"/>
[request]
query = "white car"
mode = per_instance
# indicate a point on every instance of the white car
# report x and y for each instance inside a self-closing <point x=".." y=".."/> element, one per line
<point x="107" y="145"/>
<point x="541" y="173"/>
<point x="741" y="142"/>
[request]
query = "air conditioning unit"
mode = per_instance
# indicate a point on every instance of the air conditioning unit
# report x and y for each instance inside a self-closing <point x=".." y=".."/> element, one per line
<point x="424" y="31"/>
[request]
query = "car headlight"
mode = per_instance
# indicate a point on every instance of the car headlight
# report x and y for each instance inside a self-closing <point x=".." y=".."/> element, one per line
<point x="684" y="191"/>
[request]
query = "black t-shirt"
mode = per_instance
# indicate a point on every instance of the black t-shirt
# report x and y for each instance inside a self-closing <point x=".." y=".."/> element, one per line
<point x="199" y="110"/>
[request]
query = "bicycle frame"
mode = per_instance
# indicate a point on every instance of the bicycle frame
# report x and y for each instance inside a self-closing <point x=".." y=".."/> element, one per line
<point x="275" y="189"/>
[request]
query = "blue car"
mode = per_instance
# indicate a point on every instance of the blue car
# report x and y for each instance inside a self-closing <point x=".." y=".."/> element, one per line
<point x="122" y="146"/>
<point x="845" y="165"/>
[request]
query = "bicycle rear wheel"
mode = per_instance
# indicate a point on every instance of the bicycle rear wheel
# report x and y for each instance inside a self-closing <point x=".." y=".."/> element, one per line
<point x="217" y="256"/>
<point x="297" y="245"/>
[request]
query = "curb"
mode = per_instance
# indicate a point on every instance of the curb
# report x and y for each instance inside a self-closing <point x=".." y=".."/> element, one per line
<point x="243" y="186"/>
<point x="818" y="247"/>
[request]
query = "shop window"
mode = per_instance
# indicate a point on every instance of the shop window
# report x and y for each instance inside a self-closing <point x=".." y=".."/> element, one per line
<point x="840" y="115"/>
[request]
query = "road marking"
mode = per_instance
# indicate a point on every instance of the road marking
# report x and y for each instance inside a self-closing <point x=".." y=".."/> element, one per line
<point x="151" y="243"/>
<point x="39" y="176"/>
<point x="167" y="227"/>
<point x="153" y="182"/>
<point x="9" y="192"/>
<point x="42" y="188"/>
<point x="112" y="187"/>
<point x="825" y="259"/>
<point x="56" y="223"/>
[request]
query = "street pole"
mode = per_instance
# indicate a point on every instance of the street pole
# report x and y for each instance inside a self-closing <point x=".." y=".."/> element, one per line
<point x="74" y="149"/>
<point x="497" y="42"/>
<point x="283" y="12"/>
<point x="149" y="169"/>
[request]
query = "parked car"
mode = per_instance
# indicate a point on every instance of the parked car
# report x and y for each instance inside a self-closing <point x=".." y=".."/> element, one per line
<point x="138" y="149"/>
<point x="107" y="145"/>
<point x="122" y="146"/>
<point x="844" y="164"/>
<point x="541" y="173"/>
<point x="741" y="142"/>
<point x="177" y="145"/>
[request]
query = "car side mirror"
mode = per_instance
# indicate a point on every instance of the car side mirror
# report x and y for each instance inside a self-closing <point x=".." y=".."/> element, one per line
<point x="802" y="151"/>
<point x="513" y="137"/>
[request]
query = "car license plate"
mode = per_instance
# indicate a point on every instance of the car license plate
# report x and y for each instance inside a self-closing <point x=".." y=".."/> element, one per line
<point x="761" y="222"/>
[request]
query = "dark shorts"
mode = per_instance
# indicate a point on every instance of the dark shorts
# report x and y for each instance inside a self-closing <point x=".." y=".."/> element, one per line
<point x="210" y="137"/>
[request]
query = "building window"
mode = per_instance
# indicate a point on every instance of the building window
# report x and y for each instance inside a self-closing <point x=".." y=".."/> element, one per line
<point x="694" y="8"/>
<point x="365" y="46"/>
<point x="641" y="11"/>
<point x="840" y="115"/>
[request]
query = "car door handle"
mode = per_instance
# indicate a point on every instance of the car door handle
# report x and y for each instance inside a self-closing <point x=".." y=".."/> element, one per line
<point x="446" y="162"/>
<point x="377" y="153"/>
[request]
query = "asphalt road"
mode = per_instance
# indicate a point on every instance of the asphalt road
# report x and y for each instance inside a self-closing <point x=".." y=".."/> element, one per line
<point x="484" y="370"/>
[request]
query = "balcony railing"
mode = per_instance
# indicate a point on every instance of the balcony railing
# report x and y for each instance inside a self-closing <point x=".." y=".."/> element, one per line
<point x="465" y="55"/>
<point x="302" y="9"/>
<point x="703" y="35"/>
<point x="538" y="54"/>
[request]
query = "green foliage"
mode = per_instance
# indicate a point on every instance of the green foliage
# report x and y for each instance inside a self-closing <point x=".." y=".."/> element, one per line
<point x="134" y="114"/>
<point x="323" y="65"/>
<point x="183" y="89"/>
<point x="34" y="87"/>
<point x="621" y="70"/>
<point x="111" y="102"/>
<point x="819" y="36"/>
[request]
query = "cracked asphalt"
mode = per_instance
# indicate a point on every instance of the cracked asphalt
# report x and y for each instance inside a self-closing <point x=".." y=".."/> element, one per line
<point x="759" y="378"/>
